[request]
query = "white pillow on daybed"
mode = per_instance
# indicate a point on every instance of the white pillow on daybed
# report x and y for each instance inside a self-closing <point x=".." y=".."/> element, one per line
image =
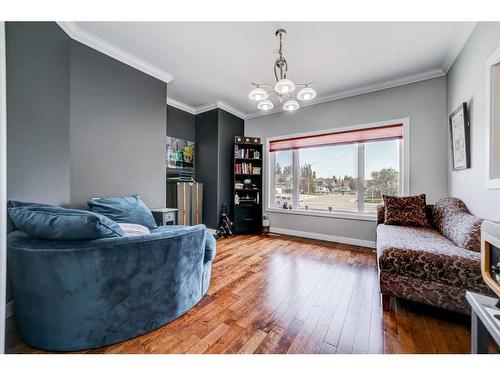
<point x="133" y="229"/>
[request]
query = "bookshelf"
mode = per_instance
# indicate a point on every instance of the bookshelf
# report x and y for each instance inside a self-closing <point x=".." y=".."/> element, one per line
<point x="247" y="184"/>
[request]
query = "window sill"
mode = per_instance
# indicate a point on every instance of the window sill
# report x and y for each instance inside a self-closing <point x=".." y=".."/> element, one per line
<point x="336" y="214"/>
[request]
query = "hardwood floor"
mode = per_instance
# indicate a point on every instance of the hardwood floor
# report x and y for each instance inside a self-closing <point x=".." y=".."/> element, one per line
<point x="280" y="294"/>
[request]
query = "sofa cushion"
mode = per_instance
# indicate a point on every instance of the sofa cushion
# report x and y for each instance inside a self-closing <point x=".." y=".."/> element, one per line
<point x="423" y="253"/>
<point x="408" y="211"/>
<point x="453" y="220"/>
<point x="129" y="209"/>
<point x="57" y="223"/>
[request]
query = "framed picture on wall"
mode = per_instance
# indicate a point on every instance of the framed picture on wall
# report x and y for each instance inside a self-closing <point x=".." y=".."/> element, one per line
<point x="460" y="138"/>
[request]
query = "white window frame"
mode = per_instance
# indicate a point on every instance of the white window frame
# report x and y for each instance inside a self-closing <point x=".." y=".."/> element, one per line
<point x="404" y="175"/>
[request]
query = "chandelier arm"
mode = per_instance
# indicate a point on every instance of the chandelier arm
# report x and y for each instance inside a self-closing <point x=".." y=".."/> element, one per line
<point x="261" y="84"/>
<point x="276" y="66"/>
<point x="305" y="84"/>
<point x="285" y="67"/>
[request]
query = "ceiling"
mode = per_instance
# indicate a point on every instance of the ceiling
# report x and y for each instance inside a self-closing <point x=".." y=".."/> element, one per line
<point x="215" y="61"/>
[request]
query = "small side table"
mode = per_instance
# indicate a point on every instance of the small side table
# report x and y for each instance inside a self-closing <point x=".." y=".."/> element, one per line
<point x="165" y="216"/>
<point x="483" y="323"/>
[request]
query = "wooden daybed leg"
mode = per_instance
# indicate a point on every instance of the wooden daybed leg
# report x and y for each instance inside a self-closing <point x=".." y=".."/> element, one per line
<point x="387" y="302"/>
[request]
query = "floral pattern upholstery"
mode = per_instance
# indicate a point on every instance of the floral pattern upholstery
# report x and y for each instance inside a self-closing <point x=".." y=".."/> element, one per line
<point x="381" y="214"/>
<point x="406" y="210"/>
<point x="424" y="291"/>
<point x="420" y="264"/>
<point x="453" y="220"/>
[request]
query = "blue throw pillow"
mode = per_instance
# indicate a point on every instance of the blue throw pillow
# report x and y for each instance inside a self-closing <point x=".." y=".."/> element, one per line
<point x="57" y="223"/>
<point x="124" y="210"/>
<point x="14" y="204"/>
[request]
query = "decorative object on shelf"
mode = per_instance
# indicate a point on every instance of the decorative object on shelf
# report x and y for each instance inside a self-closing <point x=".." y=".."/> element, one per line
<point x="225" y="228"/>
<point x="247" y="140"/>
<point x="460" y="138"/>
<point x="283" y="89"/>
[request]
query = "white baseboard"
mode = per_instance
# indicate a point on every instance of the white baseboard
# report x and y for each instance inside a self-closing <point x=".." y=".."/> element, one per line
<point x="9" y="309"/>
<point x="324" y="237"/>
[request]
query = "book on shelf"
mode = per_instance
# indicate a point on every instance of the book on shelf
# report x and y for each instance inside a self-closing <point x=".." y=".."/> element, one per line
<point x="256" y="170"/>
<point x="246" y="168"/>
<point x="247" y="153"/>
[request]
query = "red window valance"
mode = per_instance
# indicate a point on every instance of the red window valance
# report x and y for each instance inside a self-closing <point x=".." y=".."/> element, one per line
<point x="381" y="133"/>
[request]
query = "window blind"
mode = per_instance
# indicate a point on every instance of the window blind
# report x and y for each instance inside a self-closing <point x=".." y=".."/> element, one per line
<point x="381" y="133"/>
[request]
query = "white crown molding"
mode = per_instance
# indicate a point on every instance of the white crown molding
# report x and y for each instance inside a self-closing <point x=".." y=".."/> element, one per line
<point x="433" y="73"/>
<point x="226" y="107"/>
<point x="205" y="108"/>
<point x="182" y="106"/>
<point x="77" y="33"/>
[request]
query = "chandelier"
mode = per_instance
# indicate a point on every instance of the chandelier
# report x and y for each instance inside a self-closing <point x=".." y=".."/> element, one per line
<point x="283" y="90"/>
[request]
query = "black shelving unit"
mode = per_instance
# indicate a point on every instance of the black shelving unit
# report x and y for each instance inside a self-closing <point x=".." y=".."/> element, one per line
<point x="247" y="184"/>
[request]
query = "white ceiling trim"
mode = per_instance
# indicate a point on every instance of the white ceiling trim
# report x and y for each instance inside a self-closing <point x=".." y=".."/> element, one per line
<point x="433" y="73"/>
<point x="204" y="108"/>
<point x="182" y="106"/>
<point x="226" y="107"/>
<point x="77" y="33"/>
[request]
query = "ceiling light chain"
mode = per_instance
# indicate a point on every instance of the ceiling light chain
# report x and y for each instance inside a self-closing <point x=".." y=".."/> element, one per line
<point x="283" y="88"/>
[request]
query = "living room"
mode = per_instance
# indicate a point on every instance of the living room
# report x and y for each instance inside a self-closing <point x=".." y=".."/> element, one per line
<point x="250" y="187"/>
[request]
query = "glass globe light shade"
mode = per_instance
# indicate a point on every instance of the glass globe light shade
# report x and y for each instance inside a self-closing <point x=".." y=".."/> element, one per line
<point x="257" y="94"/>
<point x="291" y="105"/>
<point x="284" y="86"/>
<point x="307" y="93"/>
<point x="265" y="105"/>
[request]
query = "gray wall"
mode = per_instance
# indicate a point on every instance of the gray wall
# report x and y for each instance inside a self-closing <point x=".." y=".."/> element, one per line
<point x="118" y="129"/>
<point x="229" y="127"/>
<point x="215" y="131"/>
<point x="38" y="156"/>
<point x="467" y="83"/>
<point x="180" y="124"/>
<point x="423" y="102"/>
<point x="207" y="163"/>
<point x="80" y="124"/>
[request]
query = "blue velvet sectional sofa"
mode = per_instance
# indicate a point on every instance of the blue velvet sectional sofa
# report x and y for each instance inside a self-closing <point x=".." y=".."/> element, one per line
<point x="74" y="295"/>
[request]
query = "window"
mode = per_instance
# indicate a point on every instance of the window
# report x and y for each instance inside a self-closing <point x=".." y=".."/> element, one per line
<point x="345" y="171"/>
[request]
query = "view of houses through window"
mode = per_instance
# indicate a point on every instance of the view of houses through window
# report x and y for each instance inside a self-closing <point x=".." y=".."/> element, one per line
<point x="327" y="178"/>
